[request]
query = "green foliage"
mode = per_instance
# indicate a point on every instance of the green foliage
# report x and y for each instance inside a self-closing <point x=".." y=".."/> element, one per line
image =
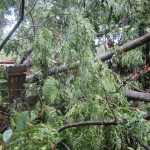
<point x="3" y="83"/>
<point x="64" y="32"/>
<point x="33" y="137"/>
<point x="132" y="59"/>
<point x="51" y="90"/>
<point x="21" y="120"/>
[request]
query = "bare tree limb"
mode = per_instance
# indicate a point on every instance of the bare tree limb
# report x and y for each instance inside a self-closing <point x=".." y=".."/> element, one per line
<point x="15" y="27"/>
<point x="135" y="43"/>
<point x="127" y="47"/>
<point x="89" y="123"/>
<point x="139" y="96"/>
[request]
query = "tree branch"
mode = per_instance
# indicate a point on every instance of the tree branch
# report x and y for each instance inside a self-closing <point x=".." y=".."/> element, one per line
<point x="139" y="96"/>
<point x="127" y="47"/>
<point x="89" y="123"/>
<point x="147" y="117"/>
<point x="141" y="143"/>
<point x="15" y="27"/>
<point x="63" y="68"/>
<point x="26" y="54"/>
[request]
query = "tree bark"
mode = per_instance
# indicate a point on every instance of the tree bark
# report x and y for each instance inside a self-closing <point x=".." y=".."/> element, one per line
<point x="138" y="96"/>
<point x="53" y="71"/>
<point x="63" y="68"/>
<point x="27" y="54"/>
<point x="127" y="47"/>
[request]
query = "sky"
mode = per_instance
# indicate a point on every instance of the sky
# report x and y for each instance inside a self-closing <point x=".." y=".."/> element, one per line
<point x="9" y="27"/>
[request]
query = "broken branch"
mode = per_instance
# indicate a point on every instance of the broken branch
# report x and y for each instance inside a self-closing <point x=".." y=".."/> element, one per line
<point x="127" y="47"/>
<point x="89" y="123"/>
<point x="139" y="96"/>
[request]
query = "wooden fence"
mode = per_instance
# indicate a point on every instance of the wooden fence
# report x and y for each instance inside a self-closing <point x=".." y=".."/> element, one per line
<point x="16" y="79"/>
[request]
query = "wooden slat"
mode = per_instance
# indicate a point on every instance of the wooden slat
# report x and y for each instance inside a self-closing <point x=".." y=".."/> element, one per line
<point x="16" y="78"/>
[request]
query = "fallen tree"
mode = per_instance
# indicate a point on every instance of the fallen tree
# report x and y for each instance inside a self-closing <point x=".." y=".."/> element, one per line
<point x="137" y="96"/>
<point x="106" y="56"/>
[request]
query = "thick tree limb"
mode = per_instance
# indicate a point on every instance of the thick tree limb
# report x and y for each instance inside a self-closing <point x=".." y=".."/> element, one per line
<point x="15" y="27"/>
<point x="106" y="56"/>
<point x="89" y="123"/>
<point x="52" y="71"/>
<point x="135" y="43"/>
<point x="127" y="47"/>
<point x="26" y="54"/>
<point x="63" y="68"/>
<point x="139" y="96"/>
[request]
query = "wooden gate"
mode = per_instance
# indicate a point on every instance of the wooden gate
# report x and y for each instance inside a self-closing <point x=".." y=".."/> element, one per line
<point x="16" y="79"/>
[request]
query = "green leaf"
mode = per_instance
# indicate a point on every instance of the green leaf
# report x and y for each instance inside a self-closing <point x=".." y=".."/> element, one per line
<point x="7" y="135"/>
<point x="21" y="120"/>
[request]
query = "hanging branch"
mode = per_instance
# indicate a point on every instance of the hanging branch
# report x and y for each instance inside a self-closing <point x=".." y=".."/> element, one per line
<point x="89" y="123"/>
<point x="32" y="19"/>
<point x="106" y="97"/>
<point x="15" y="27"/>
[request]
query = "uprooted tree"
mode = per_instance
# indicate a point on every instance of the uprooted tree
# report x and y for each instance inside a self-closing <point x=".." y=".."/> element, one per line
<point x="90" y="86"/>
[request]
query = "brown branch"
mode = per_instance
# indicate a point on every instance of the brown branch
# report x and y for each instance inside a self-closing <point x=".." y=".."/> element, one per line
<point x="138" y="96"/>
<point x="51" y="71"/>
<point x="26" y="54"/>
<point x="65" y="145"/>
<point x="63" y="68"/>
<point x="89" y="123"/>
<point x="135" y="43"/>
<point x="15" y="27"/>
<point x="127" y="47"/>
<point x="147" y="117"/>
<point x="147" y="147"/>
<point x="29" y="12"/>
